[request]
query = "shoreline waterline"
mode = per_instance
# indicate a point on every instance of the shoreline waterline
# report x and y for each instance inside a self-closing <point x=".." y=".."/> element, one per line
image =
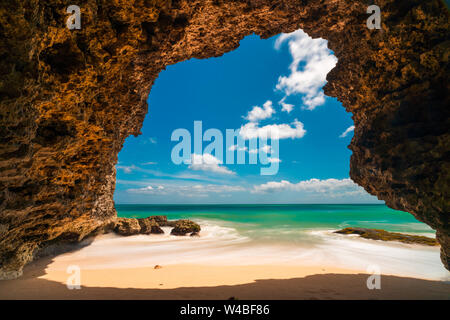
<point x="220" y="246"/>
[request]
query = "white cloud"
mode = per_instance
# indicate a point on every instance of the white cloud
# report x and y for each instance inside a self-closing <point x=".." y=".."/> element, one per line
<point x="307" y="79"/>
<point x="286" y="107"/>
<point x="149" y="163"/>
<point x="258" y="113"/>
<point x="235" y="147"/>
<point x="338" y="187"/>
<point x="149" y="190"/>
<point x="265" y="149"/>
<point x="208" y="162"/>
<point x="197" y="190"/>
<point x="127" y="169"/>
<point x="347" y="131"/>
<point x="252" y="130"/>
<point x="274" y="160"/>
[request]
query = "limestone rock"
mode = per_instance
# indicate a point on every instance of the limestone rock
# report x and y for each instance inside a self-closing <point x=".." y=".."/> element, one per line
<point x="127" y="227"/>
<point x="378" y="234"/>
<point x="132" y="226"/>
<point x="149" y="225"/>
<point x="184" y="226"/>
<point x="161" y="220"/>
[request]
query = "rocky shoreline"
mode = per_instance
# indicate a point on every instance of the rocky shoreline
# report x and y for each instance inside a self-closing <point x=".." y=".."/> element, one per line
<point x="379" y="234"/>
<point x="153" y="224"/>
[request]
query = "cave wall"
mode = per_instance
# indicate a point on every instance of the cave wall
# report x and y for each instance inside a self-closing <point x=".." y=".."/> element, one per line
<point x="69" y="98"/>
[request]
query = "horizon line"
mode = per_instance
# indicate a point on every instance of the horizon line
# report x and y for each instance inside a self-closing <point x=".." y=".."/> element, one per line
<point x="182" y="204"/>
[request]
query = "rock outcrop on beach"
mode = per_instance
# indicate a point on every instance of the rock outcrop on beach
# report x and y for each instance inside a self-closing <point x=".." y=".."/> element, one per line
<point x="70" y="98"/>
<point x="127" y="227"/>
<point x="149" y="225"/>
<point x="131" y="226"/>
<point x="152" y="225"/>
<point x="183" y="227"/>
<point x="379" y="234"/>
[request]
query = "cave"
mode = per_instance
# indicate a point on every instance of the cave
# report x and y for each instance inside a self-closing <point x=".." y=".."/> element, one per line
<point x="70" y="98"/>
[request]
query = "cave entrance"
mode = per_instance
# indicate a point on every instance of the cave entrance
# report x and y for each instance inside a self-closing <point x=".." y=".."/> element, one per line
<point x="264" y="84"/>
<point x="273" y="84"/>
<point x="395" y="96"/>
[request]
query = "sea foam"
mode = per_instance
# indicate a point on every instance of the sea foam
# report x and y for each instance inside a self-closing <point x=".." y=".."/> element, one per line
<point x="221" y="244"/>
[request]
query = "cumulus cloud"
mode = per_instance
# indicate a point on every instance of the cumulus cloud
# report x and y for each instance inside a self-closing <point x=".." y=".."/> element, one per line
<point x="286" y="107"/>
<point x="336" y="186"/>
<point x="311" y="62"/>
<point x="149" y="190"/>
<point x="252" y="130"/>
<point x="208" y="162"/>
<point x="347" y="131"/>
<point x="258" y="113"/>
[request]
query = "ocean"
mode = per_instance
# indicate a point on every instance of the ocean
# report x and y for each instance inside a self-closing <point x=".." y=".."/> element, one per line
<point x="285" y="222"/>
<point x="293" y="235"/>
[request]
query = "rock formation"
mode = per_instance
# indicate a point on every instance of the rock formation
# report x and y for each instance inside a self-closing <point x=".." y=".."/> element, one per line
<point x="69" y="98"/>
<point x="182" y="227"/>
<point x="152" y="225"/>
<point x="378" y="234"/>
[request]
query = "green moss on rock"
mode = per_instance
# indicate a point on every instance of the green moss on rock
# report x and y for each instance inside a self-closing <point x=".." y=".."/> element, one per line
<point x="379" y="234"/>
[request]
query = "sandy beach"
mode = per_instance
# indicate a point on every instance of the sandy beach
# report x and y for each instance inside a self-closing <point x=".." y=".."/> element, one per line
<point x="221" y="264"/>
<point x="216" y="282"/>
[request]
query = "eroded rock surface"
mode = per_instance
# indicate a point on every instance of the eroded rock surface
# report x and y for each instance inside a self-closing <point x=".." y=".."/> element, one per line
<point x="152" y="225"/>
<point x="379" y="234"/>
<point x="182" y="227"/>
<point x="68" y="100"/>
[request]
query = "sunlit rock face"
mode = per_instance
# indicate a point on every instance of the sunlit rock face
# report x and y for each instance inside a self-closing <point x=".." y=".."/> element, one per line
<point x="69" y="98"/>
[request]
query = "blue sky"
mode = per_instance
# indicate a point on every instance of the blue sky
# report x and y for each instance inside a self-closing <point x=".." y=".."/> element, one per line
<point x="262" y="85"/>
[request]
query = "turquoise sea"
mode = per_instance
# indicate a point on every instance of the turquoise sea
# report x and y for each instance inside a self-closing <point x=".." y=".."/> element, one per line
<point x="281" y="222"/>
<point x="294" y="235"/>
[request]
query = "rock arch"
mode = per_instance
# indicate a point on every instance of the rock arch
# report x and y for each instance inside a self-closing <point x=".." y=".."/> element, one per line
<point x="69" y="98"/>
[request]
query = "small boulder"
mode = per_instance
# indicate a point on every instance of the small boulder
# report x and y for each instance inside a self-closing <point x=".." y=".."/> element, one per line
<point x="161" y="220"/>
<point x="149" y="225"/>
<point x="185" y="226"/>
<point x="127" y="226"/>
<point x="195" y="234"/>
